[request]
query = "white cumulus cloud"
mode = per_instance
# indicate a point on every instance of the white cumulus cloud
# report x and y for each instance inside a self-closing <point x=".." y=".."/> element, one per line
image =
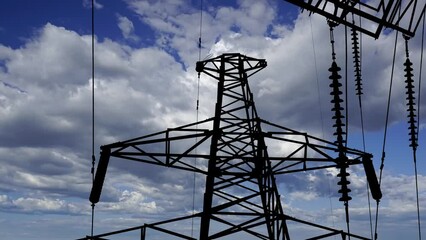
<point x="127" y="28"/>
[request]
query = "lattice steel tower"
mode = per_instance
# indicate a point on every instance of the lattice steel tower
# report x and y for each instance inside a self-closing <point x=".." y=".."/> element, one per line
<point x="241" y="198"/>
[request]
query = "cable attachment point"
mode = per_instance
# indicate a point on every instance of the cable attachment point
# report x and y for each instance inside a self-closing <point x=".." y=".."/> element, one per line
<point x="336" y="101"/>
<point x="332" y="24"/>
<point x="357" y="62"/>
<point x="410" y="102"/>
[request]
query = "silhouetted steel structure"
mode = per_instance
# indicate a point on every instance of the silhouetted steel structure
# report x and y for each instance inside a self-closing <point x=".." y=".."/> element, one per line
<point x="369" y="17"/>
<point x="239" y="153"/>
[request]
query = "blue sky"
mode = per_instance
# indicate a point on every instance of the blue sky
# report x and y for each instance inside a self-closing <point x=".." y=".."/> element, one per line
<point x="146" y="81"/>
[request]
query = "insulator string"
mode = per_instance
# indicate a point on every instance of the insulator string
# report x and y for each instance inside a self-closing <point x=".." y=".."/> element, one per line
<point x="412" y="122"/>
<point x="342" y="161"/>
<point x="358" y="79"/>
<point x="357" y="62"/>
<point x="337" y="108"/>
<point x="362" y="125"/>
<point x="410" y="98"/>
<point x="356" y="52"/>
<point x="335" y="93"/>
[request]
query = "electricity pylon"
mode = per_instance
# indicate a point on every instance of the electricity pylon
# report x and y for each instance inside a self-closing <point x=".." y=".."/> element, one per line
<point x="241" y="197"/>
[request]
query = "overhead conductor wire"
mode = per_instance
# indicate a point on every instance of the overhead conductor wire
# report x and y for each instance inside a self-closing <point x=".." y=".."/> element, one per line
<point x="382" y="164"/>
<point x="346" y="87"/>
<point x="420" y="75"/>
<point x="93" y="110"/>
<point x="321" y="113"/>
<point x="197" y="115"/>
<point x="317" y="80"/>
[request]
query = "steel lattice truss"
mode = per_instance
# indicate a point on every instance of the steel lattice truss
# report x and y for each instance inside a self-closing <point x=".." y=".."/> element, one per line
<point x="369" y="17"/>
<point x="239" y="154"/>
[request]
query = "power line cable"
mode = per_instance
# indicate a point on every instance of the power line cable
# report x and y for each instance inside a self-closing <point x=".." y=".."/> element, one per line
<point x="93" y="111"/>
<point x="321" y="115"/>
<point x="420" y="76"/>
<point x="317" y="80"/>
<point x="382" y="164"/>
<point x="197" y="114"/>
<point x="346" y="87"/>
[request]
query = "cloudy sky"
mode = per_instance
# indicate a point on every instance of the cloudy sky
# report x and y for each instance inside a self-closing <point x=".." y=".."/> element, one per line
<point x="145" y="82"/>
